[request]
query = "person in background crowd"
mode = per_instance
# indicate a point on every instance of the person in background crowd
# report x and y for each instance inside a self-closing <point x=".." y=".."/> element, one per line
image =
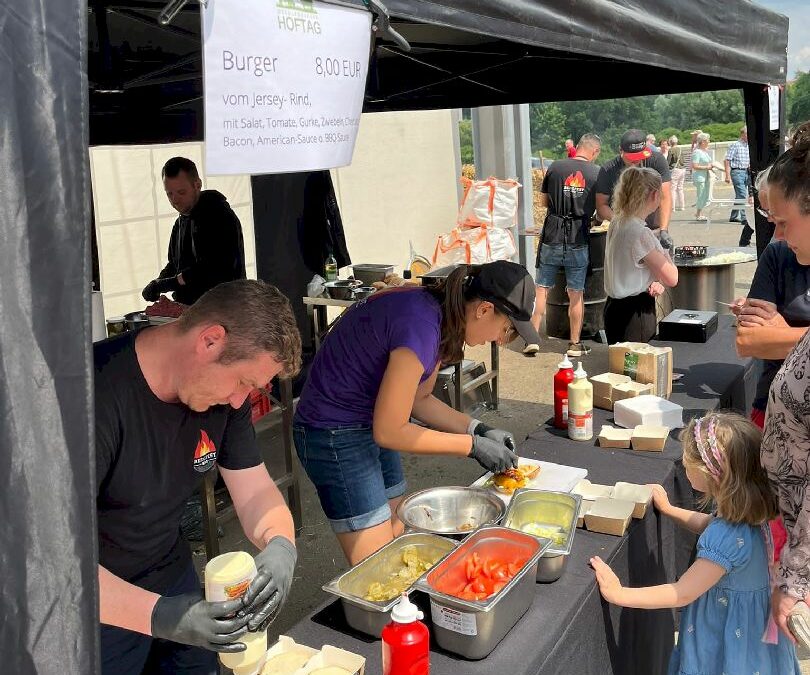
<point x="170" y="405"/>
<point x="569" y="194"/>
<point x="677" y="173"/>
<point x="637" y="268"/>
<point x="725" y="592"/>
<point x="651" y="143"/>
<point x="786" y="439"/>
<point x="633" y="151"/>
<point x="570" y="150"/>
<point x="738" y="171"/>
<point x="701" y="166"/>
<point x="663" y="148"/>
<point x="687" y="154"/>
<point x="375" y="373"/>
<point x="206" y="246"/>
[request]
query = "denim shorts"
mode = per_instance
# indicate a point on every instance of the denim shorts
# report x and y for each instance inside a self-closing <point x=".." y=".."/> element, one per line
<point x="574" y="260"/>
<point x="354" y="476"/>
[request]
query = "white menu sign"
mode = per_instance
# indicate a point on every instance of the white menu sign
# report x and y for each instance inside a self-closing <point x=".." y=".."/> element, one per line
<point x="284" y="82"/>
<point x="773" y="107"/>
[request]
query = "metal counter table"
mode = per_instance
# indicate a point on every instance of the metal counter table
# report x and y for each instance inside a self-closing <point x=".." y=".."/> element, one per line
<point x="568" y="623"/>
<point x="319" y="322"/>
<point x="702" y="284"/>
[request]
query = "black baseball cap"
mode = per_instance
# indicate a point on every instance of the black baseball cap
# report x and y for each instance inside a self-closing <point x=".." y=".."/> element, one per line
<point x="511" y="289"/>
<point x="634" y="145"/>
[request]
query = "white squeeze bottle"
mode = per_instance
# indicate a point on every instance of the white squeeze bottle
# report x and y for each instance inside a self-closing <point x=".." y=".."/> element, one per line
<point x="580" y="406"/>
<point x="227" y="577"/>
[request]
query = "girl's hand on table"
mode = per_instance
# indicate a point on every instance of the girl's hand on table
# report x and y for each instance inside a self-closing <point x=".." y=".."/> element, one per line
<point x="609" y="585"/>
<point x="660" y="498"/>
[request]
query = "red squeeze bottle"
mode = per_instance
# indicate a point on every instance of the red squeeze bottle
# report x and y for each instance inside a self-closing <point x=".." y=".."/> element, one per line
<point x="562" y="378"/>
<point x="405" y="641"/>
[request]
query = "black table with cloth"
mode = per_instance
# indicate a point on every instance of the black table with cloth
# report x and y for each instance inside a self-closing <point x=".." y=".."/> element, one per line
<point x="568" y="627"/>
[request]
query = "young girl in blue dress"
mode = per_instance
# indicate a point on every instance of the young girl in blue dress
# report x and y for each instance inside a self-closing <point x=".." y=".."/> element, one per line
<point x="726" y="592"/>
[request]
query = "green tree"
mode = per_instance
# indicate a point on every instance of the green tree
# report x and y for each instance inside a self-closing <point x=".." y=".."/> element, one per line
<point x="798" y="100"/>
<point x="548" y="127"/>
<point x="465" y="140"/>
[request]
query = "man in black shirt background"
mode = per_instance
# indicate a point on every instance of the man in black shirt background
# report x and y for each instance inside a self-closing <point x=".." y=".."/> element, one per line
<point x="206" y="246"/>
<point x="568" y="193"/>
<point x="170" y="404"/>
<point x="634" y="152"/>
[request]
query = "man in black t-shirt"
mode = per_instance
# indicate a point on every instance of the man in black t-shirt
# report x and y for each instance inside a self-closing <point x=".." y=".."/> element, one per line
<point x="634" y="152"/>
<point x="568" y="193"/>
<point x="170" y="404"/>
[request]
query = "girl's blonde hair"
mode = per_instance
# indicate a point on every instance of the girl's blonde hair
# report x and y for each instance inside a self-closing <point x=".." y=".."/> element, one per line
<point x="635" y="186"/>
<point x="737" y="483"/>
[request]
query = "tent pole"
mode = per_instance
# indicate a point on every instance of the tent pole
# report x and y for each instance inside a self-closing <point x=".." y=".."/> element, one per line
<point x="764" y="146"/>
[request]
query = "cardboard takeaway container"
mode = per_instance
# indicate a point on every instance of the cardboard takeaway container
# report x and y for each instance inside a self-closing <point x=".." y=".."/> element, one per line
<point x="643" y="364"/>
<point x="649" y="438"/>
<point x="640" y="495"/>
<point x="611" y="437"/>
<point x="353" y="664"/>
<point x="609" y="516"/>
<point x="603" y="387"/>
<point x="280" y="655"/>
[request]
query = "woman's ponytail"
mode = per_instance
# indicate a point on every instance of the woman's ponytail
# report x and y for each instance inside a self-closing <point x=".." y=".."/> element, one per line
<point x="453" y="294"/>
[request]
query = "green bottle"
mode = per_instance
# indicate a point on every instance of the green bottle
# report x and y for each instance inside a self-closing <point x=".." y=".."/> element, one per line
<point x="330" y="268"/>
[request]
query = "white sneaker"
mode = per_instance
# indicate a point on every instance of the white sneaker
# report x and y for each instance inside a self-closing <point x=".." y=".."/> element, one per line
<point x="531" y="348"/>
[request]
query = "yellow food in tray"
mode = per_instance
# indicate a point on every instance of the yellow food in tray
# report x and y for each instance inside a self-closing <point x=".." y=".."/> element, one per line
<point x="400" y="579"/>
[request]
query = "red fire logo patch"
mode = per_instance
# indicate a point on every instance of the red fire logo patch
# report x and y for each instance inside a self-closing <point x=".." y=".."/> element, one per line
<point x="205" y="454"/>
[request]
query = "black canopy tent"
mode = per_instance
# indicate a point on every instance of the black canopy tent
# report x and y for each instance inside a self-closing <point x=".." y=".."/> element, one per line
<point x="144" y="86"/>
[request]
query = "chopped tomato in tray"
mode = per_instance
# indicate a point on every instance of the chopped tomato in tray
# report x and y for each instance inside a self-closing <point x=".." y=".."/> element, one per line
<point x="484" y="576"/>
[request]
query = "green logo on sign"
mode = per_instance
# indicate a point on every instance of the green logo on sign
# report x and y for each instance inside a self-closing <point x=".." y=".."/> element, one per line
<point x="297" y="5"/>
<point x="298" y="16"/>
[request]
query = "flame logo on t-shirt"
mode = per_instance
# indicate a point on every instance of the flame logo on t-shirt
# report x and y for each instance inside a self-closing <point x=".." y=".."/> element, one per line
<point x="205" y="453"/>
<point x="575" y="180"/>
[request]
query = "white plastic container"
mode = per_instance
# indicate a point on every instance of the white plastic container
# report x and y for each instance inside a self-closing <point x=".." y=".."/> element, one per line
<point x="227" y="577"/>
<point x="580" y="406"/>
<point x="648" y="411"/>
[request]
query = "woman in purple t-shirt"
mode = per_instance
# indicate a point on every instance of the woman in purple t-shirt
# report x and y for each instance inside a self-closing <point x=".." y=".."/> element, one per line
<point x="376" y="370"/>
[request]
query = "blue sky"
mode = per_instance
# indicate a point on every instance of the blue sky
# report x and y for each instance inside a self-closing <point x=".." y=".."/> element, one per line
<point x="798" y="11"/>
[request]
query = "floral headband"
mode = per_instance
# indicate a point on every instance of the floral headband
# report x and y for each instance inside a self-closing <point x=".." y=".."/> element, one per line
<point x="710" y="451"/>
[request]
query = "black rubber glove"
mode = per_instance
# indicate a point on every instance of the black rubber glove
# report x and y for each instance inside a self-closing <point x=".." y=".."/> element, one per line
<point x="191" y="620"/>
<point x="268" y="590"/>
<point x="154" y="288"/>
<point x="493" y="456"/>
<point x="666" y="240"/>
<point x="500" y="435"/>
